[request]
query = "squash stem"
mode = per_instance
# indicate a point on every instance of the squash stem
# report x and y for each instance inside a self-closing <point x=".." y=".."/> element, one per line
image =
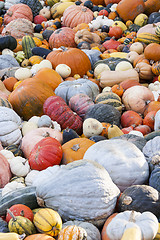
<point x="11" y="214"/>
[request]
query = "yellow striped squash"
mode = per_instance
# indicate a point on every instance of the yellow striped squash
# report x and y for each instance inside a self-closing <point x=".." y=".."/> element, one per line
<point x="148" y="38"/>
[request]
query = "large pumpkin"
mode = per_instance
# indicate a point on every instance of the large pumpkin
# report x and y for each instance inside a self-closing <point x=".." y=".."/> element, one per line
<point x="46" y="153"/>
<point x="5" y="173"/>
<point x="75" y="15"/>
<point x="151" y="6"/>
<point x="18" y="11"/>
<point x="128" y="10"/>
<point x="76" y="59"/>
<point x="62" y="37"/>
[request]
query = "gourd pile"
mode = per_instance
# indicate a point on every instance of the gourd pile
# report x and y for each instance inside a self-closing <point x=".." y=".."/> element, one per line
<point x="80" y="119"/>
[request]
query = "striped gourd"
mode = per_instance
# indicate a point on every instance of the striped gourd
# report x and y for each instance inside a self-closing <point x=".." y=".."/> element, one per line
<point x="157" y="31"/>
<point x="27" y="45"/>
<point x="156" y="68"/>
<point x="148" y="38"/>
<point x="5" y="103"/>
<point x="15" y="149"/>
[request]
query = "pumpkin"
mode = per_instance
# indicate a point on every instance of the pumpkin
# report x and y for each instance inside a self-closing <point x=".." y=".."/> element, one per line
<point x="62" y="37"/>
<point x="144" y="70"/>
<point x="129" y="10"/>
<point x="148" y="28"/>
<point x="25" y="195"/>
<point x="18" y="11"/>
<point x="80" y="103"/>
<point x="69" y="134"/>
<point x="151" y="52"/>
<point x="35" y="6"/>
<point x="92" y="231"/>
<point x="48" y="221"/>
<point x="83" y="35"/>
<point x="9" y="83"/>
<point x="74" y="149"/>
<point x="128" y="219"/>
<point x="75" y="15"/>
<point x="140" y="58"/>
<point x="63" y="70"/>
<point x="68" y="89"/>
<point x="117" y="89"/>
<point x="8" y="42"/>
<point x="20" y="210"/>
<point x="152" y="106"/>
<point x="54" y="107"/>
<point x="140" y="198"/>
<point x="137" y="47"/>
<point x="104" y="113"/>
<point x="149" y="119"/>
<point x="130" y="118"/>
<point x="19" y="166"/>
<point x="93" y="183"/>
<point x="5" y="173"/>
<point x="72" y="232"/>
<point x="135" y="98"/>
<point x="151" y="6"/>
<point x="76" y="59"/>
<point x="45" y="153"/>
<point x="109" y="152"/>
<point x="39" y="236"/>
<point x="129" y="83"/>
<point x="44" y="121"/>
<point x="154" y="178"/>
<point x="104" y="235"/>
<point x="20" y="225"/>
<point x="58" y="9"/>
<point x="34" y="136"/>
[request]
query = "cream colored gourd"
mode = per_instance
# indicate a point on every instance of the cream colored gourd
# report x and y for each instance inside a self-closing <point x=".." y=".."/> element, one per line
<point x="63" y="70"/>
<point x="34" y="119"/>
<point x="100" y="68"/>
<point x="19" y="166"/>
<point x="23" y="73"/>
<point x="11" y="236"/>
<point x="131" y="56"/>
<point x="107" y="89"/>
<point x="30" y="177"/>
<point x="45" y="12"/>
<point x="133" y="233"/>
<point x="123" y="66"/>
<point x="137" y="133"/>
<point x="7" y="154"/>
<point x="110" y="78"/>
<point x="7" y="51"/>
<point x="45" y="64"/>
<point x="28" y="126"/>
<point x="12" y="186"/>
<point x="137" y="47"/>
<point x="92" y="127"/>
<point x="146" y="221"/>
<point x="114" y="131"/>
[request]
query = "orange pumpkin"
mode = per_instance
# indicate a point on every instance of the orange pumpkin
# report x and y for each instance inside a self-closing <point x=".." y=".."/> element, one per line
<point x="151" y="6"/>
<point x="152" y="106"/>
<point x="128" y="10"/>
<point x="9" y="83"/>
<point x="140" y="58"/>
<point x="81" y="26"/>
<point x="104" y="132"/>
<point x="149" y="119"/>
<point x="118" y="89"/>
<point x="19" y="45"/>
<point x="152" y="52"/>
<point x="18" y="11"/>
<point x="75" y="149"/>
<point x="75" y="15"/>
<point x="39" y="236"/>
<point x="112" y="15"/>
<point x="76" y="59"/>
<point x="104" y="235"/>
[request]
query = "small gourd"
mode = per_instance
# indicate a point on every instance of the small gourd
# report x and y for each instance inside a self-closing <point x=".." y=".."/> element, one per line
<point x="30" y="177"/>
<point x="73" y="232"/>
<point x="28" y="126"/>
<point x="123" y="66"/>
<point x="137" y="47"/>
<point x="114" y="131"/>
<point x="100" y="68"/>
<point x="11" y="186"/>
<point x="92" y="127"/>
<point x="19" y="166"/>
<point x="44" y="121"/>
<point x="45" y="64"/>
<point x="20" y="225"/>
<point x="23" y="73"/>
<point x="7" y="154"/>
<point x="8" y="52"/>
<point x="63" y="70"/>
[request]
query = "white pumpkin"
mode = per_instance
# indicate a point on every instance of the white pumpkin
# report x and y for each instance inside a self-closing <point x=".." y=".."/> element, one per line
<point x="107" y="89"/>
<point x="100" y="68"/>
<point x="131" y="56"/>
<point x="63" y="70"/>
<point x="137" y="133"/>
<point x="124" y="162"/>
<point x="34" y="119"/>
<point x="7" y="51"/>
<point x="28" y="126"/>
<point x="92" y="127"/>
<point x="123" y="66"/>
<point x="30" y="177"/>
<point x="23" y="73"/>
<point x="12" y="186"/>
<point x="137" y="47"/>
<point x="146" y="221"/>
<point x="7" y="154"/>
<point x="45" y="64"/>
<point x="44" y="121"/>
<point x="19" y="166"/>
<point x="10" y="125"/>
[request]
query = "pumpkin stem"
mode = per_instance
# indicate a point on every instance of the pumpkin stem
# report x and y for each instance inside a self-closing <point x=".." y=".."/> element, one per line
<point x="22" y="213"/>
<point x="22" y="236"/>
<point x="75" y="147"/>
<point x="11" y="214"/>
<point x="63" y="48"/>
<point x="132" y="216"/>
<point x="46" y="134"/>
<point x="155" y="159"/>
<point x="40" y="202"/>
<point x="127" y="200"/>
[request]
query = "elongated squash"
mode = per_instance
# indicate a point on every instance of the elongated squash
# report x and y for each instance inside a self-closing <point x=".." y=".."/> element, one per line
<point x="27" y="44"/>
<point x="11" y="236"/>
<point x="148" y="38"/>
<point x="110" y="78"/>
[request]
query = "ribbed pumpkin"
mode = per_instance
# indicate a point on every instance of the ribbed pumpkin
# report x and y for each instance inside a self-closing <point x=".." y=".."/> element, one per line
<point x="156" y="68"/>
<point x="62" y="37"/>
<point x="5" y="173"/>
<point x="128" y="10"/>
<point x="74" y="149"/>
<point x="75" y="15"/>
<point x="72" y="233"/>
<point x="39" y="236"/>
<point x="18" y="11"/>
<point x="76" y="59"/>
<point x="20" y="225"/>
<point x="48" y="221"/>
<point x="46" y="153"/>
<point x="56" y="108"/>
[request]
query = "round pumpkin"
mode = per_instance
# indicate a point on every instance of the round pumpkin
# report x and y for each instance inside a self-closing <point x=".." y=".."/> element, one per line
<point x="62" y="37"/>
<point x="46" y="153"/>
<point x="76" y="59"/>
<point x="152" y="52"/>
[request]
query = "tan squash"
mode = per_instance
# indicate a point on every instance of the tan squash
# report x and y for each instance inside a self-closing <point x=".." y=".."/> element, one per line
<point x="144" y="70"/>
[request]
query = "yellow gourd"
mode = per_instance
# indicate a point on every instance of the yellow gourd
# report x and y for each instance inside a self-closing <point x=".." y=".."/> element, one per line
<point x="133" y="233"/>
<point x="11" y="236"/>
<point x="114" y="131"/>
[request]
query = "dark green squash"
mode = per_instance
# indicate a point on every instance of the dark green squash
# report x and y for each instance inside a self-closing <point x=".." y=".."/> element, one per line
<point x="134" y="28"/>
<point x="104" y="113"/>
<point x="154" y="180"/>
<point x="69" y="134"/>
<point x="97" y="138"/>
<point x="26" y="196"/>
<point x="3" y="226"/>
<point x="27" y="44"/>
<point x="35" y="6"/>
<point x="151" y="135"/>
<point x="39" y="51"/>
<point x="47" y="33"/>
<point x="8" y="42"/>
<point x="15" y="149"/>
<point x="138" y="141"/>
<point x="140" y="198"/>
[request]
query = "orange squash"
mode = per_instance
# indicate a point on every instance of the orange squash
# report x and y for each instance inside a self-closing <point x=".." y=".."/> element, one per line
<point x="39" y="236"/>
<point x="104" y="235"/>
<point x="9" y="83"/>
<point x="151" y="6"/>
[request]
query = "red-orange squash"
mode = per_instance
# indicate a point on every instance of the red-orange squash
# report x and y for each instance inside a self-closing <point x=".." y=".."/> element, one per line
<point x="75" y="15"/>
<point x="128" y="10"/>
<point x="62" y="37"/>
<point x="76" y="59"/>
<point x="18" y="11"/>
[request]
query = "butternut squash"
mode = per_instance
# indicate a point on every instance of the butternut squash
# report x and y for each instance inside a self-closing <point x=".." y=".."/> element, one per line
<point x="110" y="78"/>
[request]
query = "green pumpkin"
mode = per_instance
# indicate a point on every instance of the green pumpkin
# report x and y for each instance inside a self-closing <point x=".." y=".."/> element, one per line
<point x="8" y="42"/>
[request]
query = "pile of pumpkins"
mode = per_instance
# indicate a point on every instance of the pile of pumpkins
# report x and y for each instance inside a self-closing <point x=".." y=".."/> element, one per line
<point x="80" y="120"/>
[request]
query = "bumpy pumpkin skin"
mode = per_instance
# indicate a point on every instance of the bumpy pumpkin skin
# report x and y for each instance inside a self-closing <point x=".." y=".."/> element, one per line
<point x="128" y="10"/>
